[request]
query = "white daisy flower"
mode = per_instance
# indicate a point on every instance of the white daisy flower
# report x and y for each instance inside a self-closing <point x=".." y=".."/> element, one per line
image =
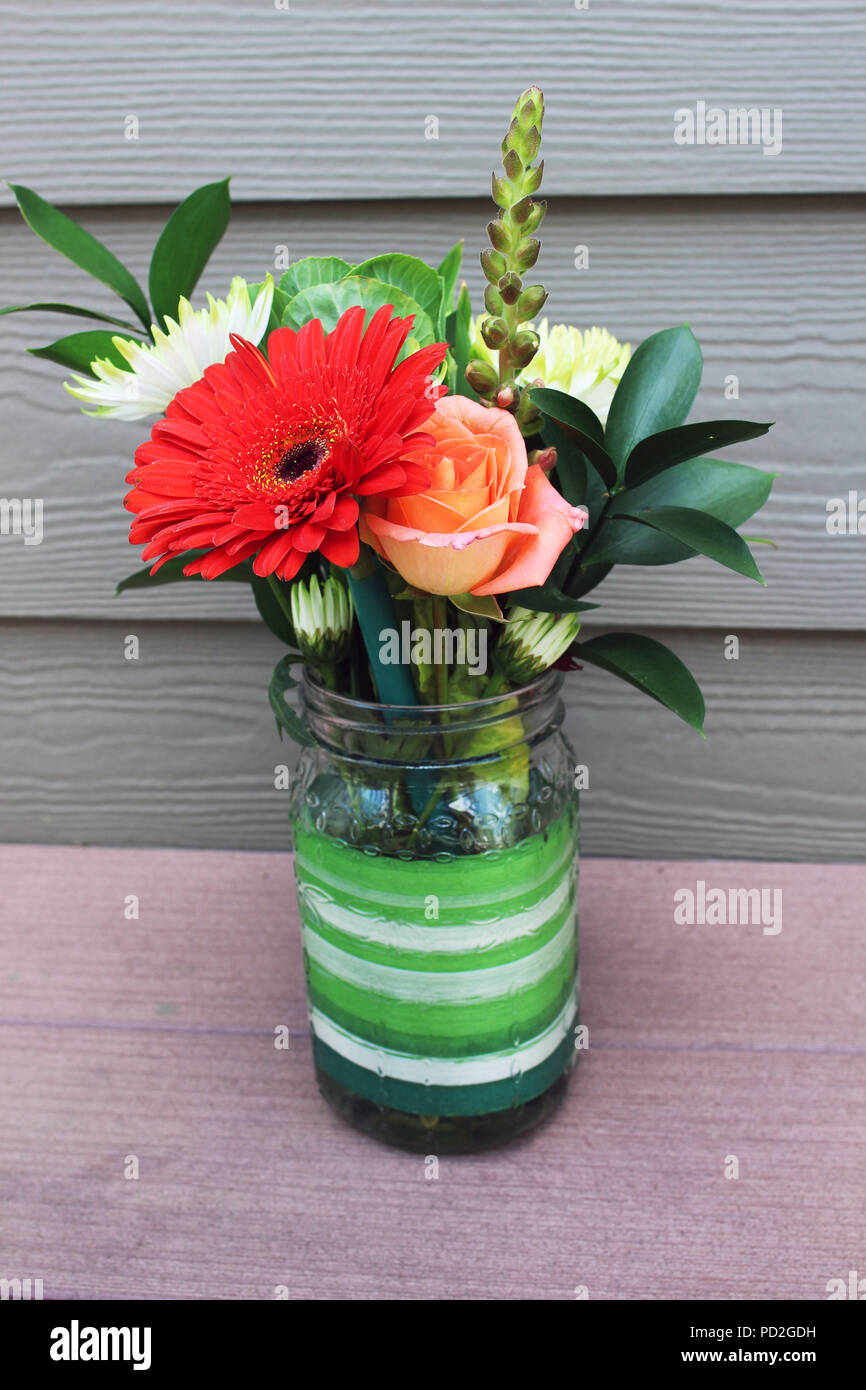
<point x="177" y="357"/>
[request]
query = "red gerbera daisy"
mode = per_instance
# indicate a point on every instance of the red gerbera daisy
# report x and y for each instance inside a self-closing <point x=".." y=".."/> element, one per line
<point x="265" y="455"/>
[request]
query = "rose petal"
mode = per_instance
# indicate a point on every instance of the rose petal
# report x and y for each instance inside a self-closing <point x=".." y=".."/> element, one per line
<point x="529" y="561"/>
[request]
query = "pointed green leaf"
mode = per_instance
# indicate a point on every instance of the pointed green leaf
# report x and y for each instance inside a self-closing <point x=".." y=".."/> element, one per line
<point x="70" y="309"/>
<point x="656" y="391"/>
<point x="548" y="598"/>
<point x="664" y="450"/>
<point x="457" y="332"/>
<point x="704" y="534"/>
<point x="449" y="269"/>
<point x="581" y="424"/>
<point x="569" y="411"/>
<point x="648" y="666"/>
<point x="79" y="350"/>
<point x="572" y="471"/>
<point x="81" y="248"/>
<point x="587" y="579"/>
<point x="480" y="606"/>
<point x="732" y="492"/>
<point x="185" y="245"/>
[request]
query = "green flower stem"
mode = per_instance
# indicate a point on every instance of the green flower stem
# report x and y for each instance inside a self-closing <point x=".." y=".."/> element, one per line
<point x="497" y="684"/>
<point x="423" y="610"/>
<point x="375" y="610"/>
<point x="439" y="613"/>
<point x="282" y="597"/>
<point x="328" y="674"/>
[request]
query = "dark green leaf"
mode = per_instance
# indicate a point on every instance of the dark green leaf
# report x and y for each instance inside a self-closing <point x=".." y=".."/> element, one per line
<point x="648" y="666"/>
<point x="79" y="350"/>
<point x="670" y="447"/>
<point x="81" y="248"/>
<point x="704" y="534"/>
<point x="172" y="572"/>
<point x="70" y="309"/>
<point x="656" y="391"/>
<point x="571" y="412"/>
<point x="579" y="422"/>
<point x="548" y="598"/>
<point x="273" y="606"/>
<point x="588" y="579"/>
<point x="185" y="246"/>
<point x="730" y="491"/>
<point x="288" y="719"/>
<point x="572" y="467"/>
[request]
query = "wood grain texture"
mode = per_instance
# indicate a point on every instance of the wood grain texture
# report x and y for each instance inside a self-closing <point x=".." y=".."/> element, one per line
<point x="773" y="289"/>
<point x="329" y="100"/>
<point x="179" y="747"/>
<point x="155" y="1038"/>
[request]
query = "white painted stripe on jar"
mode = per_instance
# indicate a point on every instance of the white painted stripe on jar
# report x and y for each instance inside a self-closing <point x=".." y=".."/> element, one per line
<point x="444" y="1071"/>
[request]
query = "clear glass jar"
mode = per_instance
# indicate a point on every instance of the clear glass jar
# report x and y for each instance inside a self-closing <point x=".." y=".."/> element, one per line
<point x="436" y="871"/>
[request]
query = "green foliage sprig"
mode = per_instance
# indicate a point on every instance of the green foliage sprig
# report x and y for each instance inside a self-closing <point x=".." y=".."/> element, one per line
<point x="181" y="253"/>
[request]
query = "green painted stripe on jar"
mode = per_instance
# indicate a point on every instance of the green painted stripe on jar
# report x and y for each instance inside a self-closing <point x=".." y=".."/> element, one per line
<point x="480" y="1099"/>
<point x="444" y="1029"/>
<point x="474" y="882"/>
<point x="347" y="911"/>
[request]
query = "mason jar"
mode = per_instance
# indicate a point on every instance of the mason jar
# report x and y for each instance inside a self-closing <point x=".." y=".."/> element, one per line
<point x="436" y="872"/>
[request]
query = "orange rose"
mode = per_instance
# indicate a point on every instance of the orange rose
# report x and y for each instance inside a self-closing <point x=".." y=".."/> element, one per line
<point x="488" y="523"/>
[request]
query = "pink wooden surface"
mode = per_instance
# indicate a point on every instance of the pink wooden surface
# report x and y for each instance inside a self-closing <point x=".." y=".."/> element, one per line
<point x="154" y="1038"/>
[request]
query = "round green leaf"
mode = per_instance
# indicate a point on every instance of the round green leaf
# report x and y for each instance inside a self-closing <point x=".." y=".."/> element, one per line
<point x="329" y="301"/>
<point x="312" y="270"/>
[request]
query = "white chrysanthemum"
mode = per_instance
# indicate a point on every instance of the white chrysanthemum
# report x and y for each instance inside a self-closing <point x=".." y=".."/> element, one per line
<point x="177" y="357"/>
<point x="588" y="365"/>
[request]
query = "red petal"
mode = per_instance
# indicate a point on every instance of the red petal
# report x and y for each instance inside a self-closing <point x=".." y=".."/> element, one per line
<point x="341" y="547"/>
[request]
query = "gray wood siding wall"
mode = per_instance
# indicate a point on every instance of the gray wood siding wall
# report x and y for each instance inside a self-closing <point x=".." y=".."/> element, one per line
<point x="319" y="113"/>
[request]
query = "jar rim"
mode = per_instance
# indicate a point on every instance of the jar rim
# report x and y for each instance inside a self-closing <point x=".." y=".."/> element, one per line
<point x="348" y="725"/>
<point x="544" y="686"/>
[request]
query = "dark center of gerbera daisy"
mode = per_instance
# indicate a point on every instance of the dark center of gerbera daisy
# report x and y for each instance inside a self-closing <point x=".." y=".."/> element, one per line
<point x="299" y="459"/>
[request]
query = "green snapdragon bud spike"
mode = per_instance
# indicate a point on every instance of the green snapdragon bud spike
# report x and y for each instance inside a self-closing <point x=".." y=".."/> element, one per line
<point x="322" y="617"/>
<point x="532" y="642"/>
<point x="482" y="377"/>
<point x="514" y="251"/>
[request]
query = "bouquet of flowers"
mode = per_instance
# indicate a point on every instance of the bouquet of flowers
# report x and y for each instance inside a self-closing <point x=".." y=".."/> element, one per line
<point x="353" y="430"/>
<point x="421" y="500"/>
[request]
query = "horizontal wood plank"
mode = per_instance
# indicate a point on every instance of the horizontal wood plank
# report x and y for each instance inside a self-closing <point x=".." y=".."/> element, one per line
<point x="309" y="100"/>
<point x="773" y="291"/>
<point x="179" y="747"/>
<point x="703" y="1043"/>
